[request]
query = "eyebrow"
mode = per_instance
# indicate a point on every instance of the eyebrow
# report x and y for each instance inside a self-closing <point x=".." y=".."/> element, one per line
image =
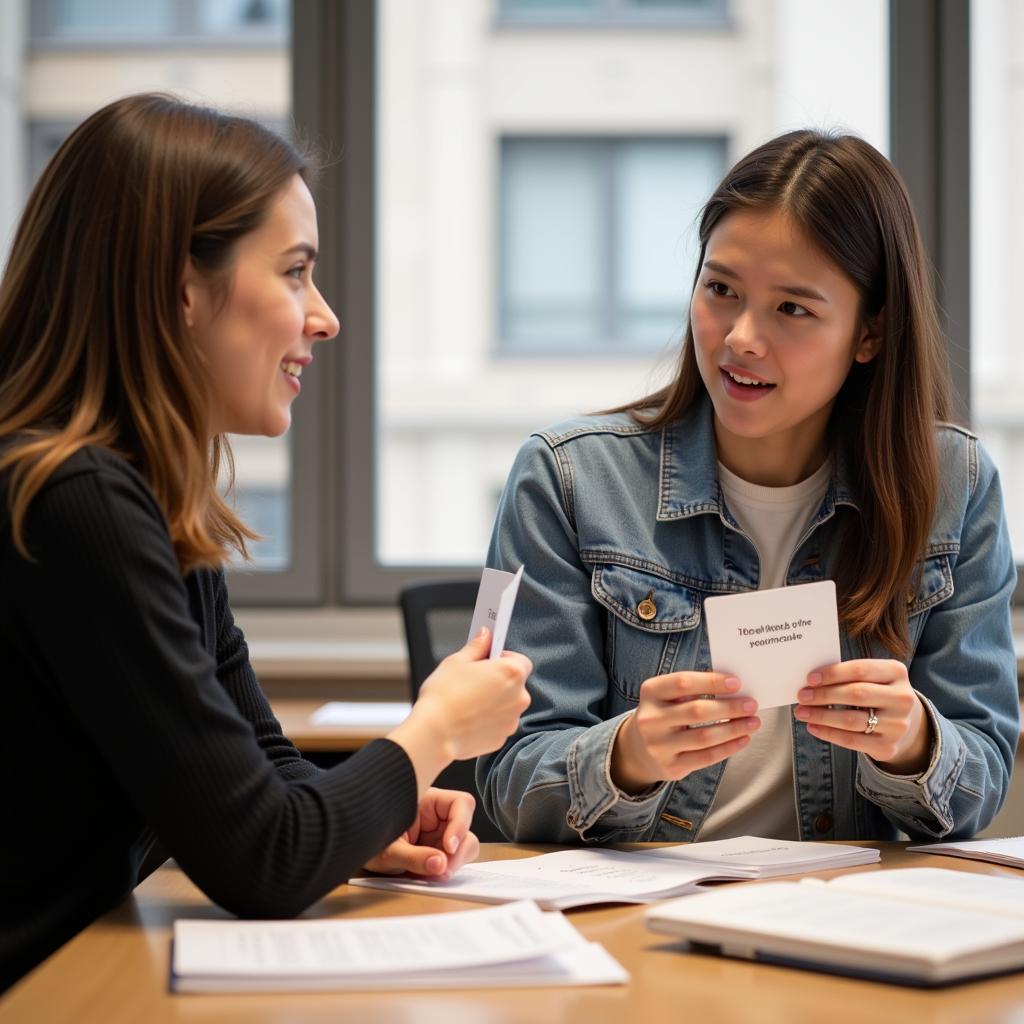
<point x="305" y="248"/>
<point x="801" y="291"/>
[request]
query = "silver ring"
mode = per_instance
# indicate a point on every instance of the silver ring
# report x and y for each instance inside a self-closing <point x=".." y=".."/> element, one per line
<point x="872" y="721"/>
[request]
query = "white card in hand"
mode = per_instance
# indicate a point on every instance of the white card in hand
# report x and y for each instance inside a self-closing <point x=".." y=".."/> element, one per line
<point x="494" y="603"/>
<point x="770" y="640"/>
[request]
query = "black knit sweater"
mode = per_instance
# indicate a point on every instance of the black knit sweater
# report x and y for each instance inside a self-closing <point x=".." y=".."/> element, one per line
<point x="130" y="710"/>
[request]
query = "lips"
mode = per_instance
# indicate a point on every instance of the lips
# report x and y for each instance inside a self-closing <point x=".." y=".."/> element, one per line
<point x="744" y="386"/>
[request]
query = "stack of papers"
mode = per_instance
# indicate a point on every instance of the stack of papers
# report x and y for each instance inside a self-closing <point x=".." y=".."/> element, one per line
<point x="574" y="878"/>
<point x="996" y="851"/>
<point x="513" y="945"/>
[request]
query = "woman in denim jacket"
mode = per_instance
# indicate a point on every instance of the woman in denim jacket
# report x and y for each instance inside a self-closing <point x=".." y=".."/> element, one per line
<point x="802" y="438"/>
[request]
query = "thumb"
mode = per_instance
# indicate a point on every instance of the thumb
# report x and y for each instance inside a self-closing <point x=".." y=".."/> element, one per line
<point x="476" y="647"/>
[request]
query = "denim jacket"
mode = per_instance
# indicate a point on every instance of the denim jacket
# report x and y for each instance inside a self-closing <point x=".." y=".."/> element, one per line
<point x="603" y="513"/>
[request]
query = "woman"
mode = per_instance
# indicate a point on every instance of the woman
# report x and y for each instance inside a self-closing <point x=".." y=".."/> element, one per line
<point x="159" y="294"/>
<point x="802" y="438"/>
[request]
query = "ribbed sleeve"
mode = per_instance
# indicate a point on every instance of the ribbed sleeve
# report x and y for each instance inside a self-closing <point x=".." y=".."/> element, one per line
<point x="134" y="707"/>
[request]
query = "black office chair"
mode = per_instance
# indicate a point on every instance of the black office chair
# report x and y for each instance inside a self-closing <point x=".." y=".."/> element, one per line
<point x="437" y="615"/>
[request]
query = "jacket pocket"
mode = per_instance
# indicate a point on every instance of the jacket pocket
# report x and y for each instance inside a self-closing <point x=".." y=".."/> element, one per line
<point x="649" y="617"/>
<point x="934" y="585"/>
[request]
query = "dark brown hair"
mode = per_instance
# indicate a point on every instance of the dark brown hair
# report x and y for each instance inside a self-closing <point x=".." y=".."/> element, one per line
<point x="852" y="203"/>
<point x="93" y="343"/>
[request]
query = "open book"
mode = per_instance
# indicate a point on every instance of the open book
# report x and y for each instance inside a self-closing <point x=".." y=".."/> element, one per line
<point x="919" y="926"/>
<point x="997" y="851"/>
<point x="574" y="878"/>
<point x="514" y="945"/>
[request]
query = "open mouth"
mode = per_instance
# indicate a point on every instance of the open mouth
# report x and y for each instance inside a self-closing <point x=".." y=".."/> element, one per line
<point x="740" y="382"/>
<point x="292" y="369"/>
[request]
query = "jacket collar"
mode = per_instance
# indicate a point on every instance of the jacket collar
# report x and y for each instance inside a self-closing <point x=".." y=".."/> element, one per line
<point x="688" y="483"/>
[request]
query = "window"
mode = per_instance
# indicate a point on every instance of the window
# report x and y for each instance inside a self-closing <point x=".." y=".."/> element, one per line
<point x="997" y="259"/>
<point x="598" y="240"/>
<point x="613" y="12"/>
<point x="113" y="22"/>
<point x="83" y="57"/>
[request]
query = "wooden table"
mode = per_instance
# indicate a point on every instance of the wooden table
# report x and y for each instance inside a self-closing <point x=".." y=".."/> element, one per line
<point x="117" y="970"/>
<point x="294" y="714"/>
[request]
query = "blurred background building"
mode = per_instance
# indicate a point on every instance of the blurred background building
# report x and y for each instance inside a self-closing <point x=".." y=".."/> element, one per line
<point x="539" y="166"/>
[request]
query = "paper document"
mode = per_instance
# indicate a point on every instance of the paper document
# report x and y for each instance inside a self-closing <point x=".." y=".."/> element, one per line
<point x="770" y="640"/>
<point x="1008" y="851"/>
<point x="357" y="714"/>
<point x="577" y="877"/>
<point x="513" y="944"/>
<point x="494" y="603"/>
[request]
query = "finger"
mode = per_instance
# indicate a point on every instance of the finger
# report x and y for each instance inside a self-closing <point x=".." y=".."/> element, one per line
<point x="701" y="712"/>
<point x="859" y="694"/>
<point x="867" y="743"/>
<point x="869" y="670"/>
<point x="843" y="719"/>
<point x="521" y="662"/>
<point x="476" y="648"/>
<point x="692" y="761"/>
<point x="407" y="858"/>
<point x="469" y="850"/>
<point x="686" y="740"/>
<point x="682" y="685"/>
<point x="455" y="809"/>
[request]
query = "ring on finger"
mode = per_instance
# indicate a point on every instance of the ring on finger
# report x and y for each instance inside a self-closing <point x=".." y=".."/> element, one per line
<point x="872" y="722"/>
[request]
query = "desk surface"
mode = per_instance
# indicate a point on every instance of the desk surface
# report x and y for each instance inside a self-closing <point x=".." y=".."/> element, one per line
<point x="295" y="714"/>
<point x="117" y="969"/>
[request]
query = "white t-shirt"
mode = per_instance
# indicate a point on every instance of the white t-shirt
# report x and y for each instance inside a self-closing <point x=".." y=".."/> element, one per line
<point x="757" y="796"/>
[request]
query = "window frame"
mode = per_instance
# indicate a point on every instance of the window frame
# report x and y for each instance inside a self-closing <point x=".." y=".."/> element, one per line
<point x="615" y="14"/>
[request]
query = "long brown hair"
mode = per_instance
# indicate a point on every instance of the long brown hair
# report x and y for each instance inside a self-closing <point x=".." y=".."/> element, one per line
<point x="853" y="204"/>
<point x="94" y="348"/>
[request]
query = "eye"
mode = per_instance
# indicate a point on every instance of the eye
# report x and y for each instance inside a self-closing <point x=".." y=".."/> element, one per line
<point x="719" y="289"/>
<point x="794" y="309"/>
<point x="296" y="273"/>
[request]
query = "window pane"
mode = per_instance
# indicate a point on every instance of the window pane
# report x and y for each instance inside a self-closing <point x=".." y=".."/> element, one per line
<point x="76" y="81"/>
<point x="554" y="244"/>
<point x="660" y="188"/>
<point x="997" y="253"/>
<point x="534" y="196"/>
<point x="100" y="20"/>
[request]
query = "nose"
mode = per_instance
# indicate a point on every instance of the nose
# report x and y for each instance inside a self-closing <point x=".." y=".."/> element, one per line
<point x="745" y="335"/>
<point x="321" y="323"/>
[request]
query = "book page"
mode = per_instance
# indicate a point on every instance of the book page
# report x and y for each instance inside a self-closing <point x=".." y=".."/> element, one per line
<point x="815" y="915"/>
<point x="567" y="878"/>
<point x="996" y="894"/>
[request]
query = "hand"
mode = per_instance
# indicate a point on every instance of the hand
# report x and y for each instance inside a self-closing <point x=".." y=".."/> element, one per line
<point x="671" y="732"/>
<point x="437" y="843"/>
<point x="468" y="706"/>
<point x="900" y="743"/>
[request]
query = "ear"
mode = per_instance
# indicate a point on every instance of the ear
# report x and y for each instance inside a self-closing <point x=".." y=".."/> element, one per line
<point x="870" y="341"/>
<point x="195" y="296"/>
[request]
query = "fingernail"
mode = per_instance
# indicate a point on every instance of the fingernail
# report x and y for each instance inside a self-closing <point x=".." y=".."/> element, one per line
<point x="805" y="695"/>
<point x="814" y="679"/>
<point x="453" y="844"/>
<point x="802" y="714"/>
<point x="482" y="633"/>
<point x="750" y="706"/>
<point x="753" y="723"/>
<point x="435" y="864"/>
<point x="732" y="683"/>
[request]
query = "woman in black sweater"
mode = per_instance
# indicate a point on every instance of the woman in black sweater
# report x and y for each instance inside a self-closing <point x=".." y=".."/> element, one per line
<point x="159" y="295"/>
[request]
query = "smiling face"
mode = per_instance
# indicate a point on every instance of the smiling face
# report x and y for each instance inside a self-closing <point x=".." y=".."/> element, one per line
<point x="776" y="327"/>
<point x="260" y="338"/>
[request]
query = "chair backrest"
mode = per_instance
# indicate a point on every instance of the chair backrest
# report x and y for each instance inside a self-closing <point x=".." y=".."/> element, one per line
<point x="437" y="614"/>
